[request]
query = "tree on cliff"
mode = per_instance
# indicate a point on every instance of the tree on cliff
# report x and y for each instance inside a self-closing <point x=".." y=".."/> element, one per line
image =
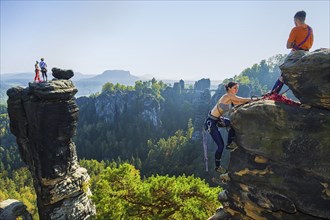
<point x="174" y="155"/>
<point x="9" y="156"/>
<point x="122" y="194"/>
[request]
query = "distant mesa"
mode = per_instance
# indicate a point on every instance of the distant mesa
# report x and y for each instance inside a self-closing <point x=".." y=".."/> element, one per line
<point x="116" y="74"/>
<point x="62" y="74"/>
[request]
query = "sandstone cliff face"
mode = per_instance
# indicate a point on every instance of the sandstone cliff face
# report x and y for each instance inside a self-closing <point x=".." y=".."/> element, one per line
<point x="281" y="167"/>
<point x="109" y="106"/>
<point x="43" y="117"/>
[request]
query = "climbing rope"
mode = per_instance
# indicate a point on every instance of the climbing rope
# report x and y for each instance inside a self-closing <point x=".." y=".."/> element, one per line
<point x="205" y="150"/>
<point x="280" y="98"/>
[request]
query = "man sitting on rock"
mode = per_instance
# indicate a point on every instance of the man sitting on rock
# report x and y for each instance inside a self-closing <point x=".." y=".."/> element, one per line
<point x="300" y="38"/>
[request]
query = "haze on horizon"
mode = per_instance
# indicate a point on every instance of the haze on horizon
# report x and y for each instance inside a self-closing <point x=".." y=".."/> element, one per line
<point x="164" y="39"/>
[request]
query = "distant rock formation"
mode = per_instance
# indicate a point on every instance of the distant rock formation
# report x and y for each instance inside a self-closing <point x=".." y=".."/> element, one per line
<point x="181" y="82"/>
<point x="111" y="105"/>
<point x="202" y="84"/>
<point x="177" y="87"/>
<point x="281" y="168"/>
<point x="43" y="117"/>
<point x="116" y="75"/>
<point x="12" y="209"/>
<point x="94" y="84"/>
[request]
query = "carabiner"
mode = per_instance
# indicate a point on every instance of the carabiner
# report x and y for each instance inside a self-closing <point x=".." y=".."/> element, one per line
<point x="209" y="124"/>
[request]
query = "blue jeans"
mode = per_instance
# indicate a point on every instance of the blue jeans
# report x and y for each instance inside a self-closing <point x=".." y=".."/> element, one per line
<point x="278" y="86"/>
<point x="211" y="127"/>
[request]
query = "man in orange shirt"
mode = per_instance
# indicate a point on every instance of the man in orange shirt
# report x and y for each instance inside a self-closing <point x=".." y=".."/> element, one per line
<point x="301" y="38"/>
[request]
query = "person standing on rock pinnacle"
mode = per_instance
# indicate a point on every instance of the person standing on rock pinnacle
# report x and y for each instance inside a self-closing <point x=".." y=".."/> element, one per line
<point x="301" y="38"/>
<point x="215" y="119"/>
<point x="37" y="71"/>
<point x="43" y="67"/>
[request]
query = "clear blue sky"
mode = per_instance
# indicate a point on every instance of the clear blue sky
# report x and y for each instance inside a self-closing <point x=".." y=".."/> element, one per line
<point x="165" y="39"/>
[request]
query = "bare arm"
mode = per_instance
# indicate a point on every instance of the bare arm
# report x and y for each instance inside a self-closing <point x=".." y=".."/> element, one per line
<point x="291" y="40"/>
<point x="228" y="98"/>
<point x="239" y="100"/>
<point x="289" y="45"/>
<point x="312" y="37"/>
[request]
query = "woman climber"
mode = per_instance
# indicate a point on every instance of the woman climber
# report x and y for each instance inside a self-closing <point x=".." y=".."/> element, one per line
<point x="215" y="119"/>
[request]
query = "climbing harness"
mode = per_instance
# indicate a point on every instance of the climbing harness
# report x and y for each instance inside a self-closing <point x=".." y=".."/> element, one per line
<point x="209" y="124"/>
<point x="220" y="123"/>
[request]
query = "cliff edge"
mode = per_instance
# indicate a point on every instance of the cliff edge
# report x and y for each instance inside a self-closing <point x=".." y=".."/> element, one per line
<point x="43" y="117"/>
<point x="281" y="168"/>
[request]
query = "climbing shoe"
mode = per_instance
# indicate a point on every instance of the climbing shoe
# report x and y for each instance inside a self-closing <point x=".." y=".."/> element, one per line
<point x="231" y="146"/>
<point x="220" y="169"/>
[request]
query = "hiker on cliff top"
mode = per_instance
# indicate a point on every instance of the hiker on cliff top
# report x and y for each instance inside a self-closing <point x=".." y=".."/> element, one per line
<point x="37" y="71"/>
<point x="300" y="38"/>
<point x="43" y="67"/>
<point x="215" y="119"/>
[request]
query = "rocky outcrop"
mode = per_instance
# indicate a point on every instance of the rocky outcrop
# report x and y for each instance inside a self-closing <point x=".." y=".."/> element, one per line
<point x="43" y="117"/>
<point x="281" y="168"/>
<point x="308" y="76"/>
<point x="62" y="74"/>
<point x="12" y="209"/>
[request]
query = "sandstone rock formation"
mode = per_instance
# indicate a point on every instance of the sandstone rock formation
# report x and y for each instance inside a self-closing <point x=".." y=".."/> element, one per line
<point x="281" y="167"/>
<point x="307" y="75"/>
<point x="43" y="117"/>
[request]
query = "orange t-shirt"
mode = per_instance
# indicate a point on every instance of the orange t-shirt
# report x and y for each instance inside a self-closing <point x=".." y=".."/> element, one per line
<point x="298" y="34"/>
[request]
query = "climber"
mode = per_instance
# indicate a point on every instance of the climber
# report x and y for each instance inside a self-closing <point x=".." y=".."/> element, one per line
<point x="215" y="119"/>
<point x="300" y="38"/>
<point x="37" y="71"/>
<point x="43" y="67"/>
